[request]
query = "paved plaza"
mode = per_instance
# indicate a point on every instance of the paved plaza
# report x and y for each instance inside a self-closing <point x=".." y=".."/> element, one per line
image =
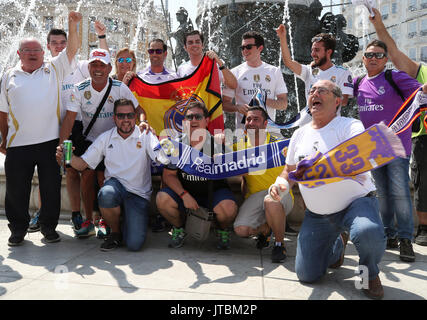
<point x="77" y="269"/>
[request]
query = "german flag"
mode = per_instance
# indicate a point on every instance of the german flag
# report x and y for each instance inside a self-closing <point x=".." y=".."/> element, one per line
<point x="165" y="103"/>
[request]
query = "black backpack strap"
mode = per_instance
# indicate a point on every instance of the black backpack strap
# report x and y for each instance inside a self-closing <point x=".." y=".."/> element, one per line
<point x="356" y="84"/>
<point x="98" y="110"/>
<point x="389" y="78"/>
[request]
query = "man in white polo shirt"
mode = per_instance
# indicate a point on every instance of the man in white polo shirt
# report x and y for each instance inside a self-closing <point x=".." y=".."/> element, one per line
<point x="337" y="208"/>
<point x="29" y="124"/>
<point x="126" y="151"/>
<point x="56" y="43"/>
<point x="85" y="99"/>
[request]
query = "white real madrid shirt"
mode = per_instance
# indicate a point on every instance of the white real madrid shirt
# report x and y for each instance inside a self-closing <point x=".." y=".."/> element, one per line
<point x="127" y="160"/>
<point x="266" y="77"/>
<point x="79" y="74"/>
<point x="333" y="197"/>
<point x="32" y="101"/>
<point x="337" y="74"/>
<point x="85" y="99"/>
<point x="151" y="77"/>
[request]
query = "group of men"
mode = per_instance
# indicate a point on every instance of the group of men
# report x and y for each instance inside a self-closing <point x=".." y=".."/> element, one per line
<point x="37" y="115"/>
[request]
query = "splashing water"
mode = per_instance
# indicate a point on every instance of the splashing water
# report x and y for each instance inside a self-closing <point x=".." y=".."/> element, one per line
<point x="287" y="17"/>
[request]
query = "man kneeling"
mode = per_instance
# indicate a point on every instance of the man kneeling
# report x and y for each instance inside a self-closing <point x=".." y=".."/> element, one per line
<point x="337" y="208"/>
<point x="124" y="200"/>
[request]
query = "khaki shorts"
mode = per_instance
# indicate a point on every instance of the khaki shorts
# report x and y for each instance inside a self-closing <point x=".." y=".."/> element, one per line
<point x="251" y="212"/>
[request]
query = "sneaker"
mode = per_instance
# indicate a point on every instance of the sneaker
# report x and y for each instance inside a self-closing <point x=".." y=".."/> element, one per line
<point x="87" y="229"/>
<point x="344" y="238"/>
<point x="278" y="254"/>
<point x="52" y="237"/>
<point x="15" y="240"/>
<point x="223" y="239"/>
<point x="421" y="237"/>
<point x="103" y="230"/>
<point x="392" y="243"/>
<point x="34" y="223"/>
<point x="178" y="237"/>
<point x="263" y="241"/>
<point x="77" y="221"/>
<point x="159" y="224"/>
<point x="111" y="242"/>
<point x="289" y="231"/>
<point x="406" y="251"/>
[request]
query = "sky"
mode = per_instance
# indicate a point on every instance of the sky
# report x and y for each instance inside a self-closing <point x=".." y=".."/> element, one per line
<point x="191" y="7"/>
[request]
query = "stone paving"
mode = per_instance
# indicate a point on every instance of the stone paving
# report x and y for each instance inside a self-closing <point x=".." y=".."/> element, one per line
<point x="77" y="269"/>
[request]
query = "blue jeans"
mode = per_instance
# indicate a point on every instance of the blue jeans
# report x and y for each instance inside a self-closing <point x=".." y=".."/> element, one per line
<point x="135" y="212"/>
<point x="319" y="242"/>
<point x="392" y="181"/>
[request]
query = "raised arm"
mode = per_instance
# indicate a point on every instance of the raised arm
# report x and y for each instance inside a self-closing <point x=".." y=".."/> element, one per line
<point x="295" y="66"/>
<point x="399" y="59"/>
<point x="73" y="39"/>
<point x="100" y="32"/>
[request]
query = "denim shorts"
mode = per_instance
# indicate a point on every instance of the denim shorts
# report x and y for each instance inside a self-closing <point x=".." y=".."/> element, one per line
<point x="219" y="195"/>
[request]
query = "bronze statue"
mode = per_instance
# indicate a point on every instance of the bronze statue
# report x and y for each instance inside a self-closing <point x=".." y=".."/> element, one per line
<point x="185" y="25"/>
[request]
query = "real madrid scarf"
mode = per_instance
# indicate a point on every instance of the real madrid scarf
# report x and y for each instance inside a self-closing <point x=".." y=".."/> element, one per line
<point x="194" y="162"/>
<point x="371" y="149"/>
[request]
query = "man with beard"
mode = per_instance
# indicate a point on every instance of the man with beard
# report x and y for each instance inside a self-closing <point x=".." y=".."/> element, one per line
<point x="321" y="68"/>
<point x="125" y="150"/>
<point x="259" y="214"/>
<point x="85" y="100"/>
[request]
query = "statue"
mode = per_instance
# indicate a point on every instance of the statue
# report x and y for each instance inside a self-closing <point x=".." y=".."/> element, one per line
<point x="306" y="22"/>
<point x="185" y="25"/>
<point x="231" y="35"/>
<point x="347" y="44"/>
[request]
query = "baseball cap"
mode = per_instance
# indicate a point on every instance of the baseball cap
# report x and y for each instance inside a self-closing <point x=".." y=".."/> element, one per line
<point x="101" y="55"/>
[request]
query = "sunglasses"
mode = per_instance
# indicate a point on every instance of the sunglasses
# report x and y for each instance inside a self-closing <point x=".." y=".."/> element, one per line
<point x="122" y="116"/>
<point x="248" y="47"/>
<point x="121" y="60"/>
<point x="196" y="116"/>
<point x="378" y="55"/>
<point x="157" y="51"/>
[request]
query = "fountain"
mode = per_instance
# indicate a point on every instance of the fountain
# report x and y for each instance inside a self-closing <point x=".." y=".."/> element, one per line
<point x="303" y="18"/>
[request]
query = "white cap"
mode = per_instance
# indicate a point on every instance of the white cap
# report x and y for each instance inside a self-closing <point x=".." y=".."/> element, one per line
<point x="101" y="55"/>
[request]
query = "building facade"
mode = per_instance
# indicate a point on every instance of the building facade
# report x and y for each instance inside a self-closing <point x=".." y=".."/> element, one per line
<point x="406" y="21"/>
<point x="129" y="24"/>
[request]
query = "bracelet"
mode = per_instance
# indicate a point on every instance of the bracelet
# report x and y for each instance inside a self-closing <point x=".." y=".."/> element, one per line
<point x="183" y="193"/>
<point x="222" y="67"/>
<point x="102" y="37"/>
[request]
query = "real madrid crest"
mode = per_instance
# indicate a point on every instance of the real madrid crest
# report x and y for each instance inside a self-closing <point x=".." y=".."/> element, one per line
<point x="110" y="99"/>
<point x="46" y="69"/>
<point x="72" y="97"/>
<point x="267" y="78"/>
<point x="315" y="71"/>
<point x="334" y="79"/>
<point x="138" y="145"/>
<point x="87" y="95"/>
